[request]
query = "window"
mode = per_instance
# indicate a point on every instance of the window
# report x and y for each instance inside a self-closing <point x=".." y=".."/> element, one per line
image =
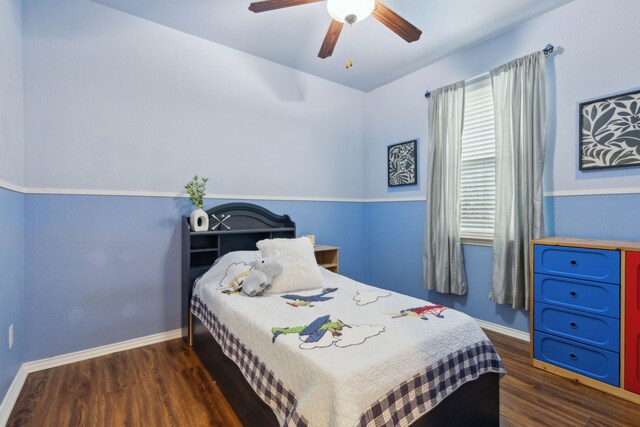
<point x="478" y="158"/>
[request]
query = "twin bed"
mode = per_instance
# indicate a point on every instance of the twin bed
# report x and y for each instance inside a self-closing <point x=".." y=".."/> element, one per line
<point x="343" y="355"/>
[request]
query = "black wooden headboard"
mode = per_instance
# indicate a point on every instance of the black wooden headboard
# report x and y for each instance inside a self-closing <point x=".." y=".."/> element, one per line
<point x="232" y="227"/>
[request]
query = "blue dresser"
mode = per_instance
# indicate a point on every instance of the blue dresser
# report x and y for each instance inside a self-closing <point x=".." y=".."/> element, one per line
<point x="576" y="314"/>
<point x="577" y="324"/>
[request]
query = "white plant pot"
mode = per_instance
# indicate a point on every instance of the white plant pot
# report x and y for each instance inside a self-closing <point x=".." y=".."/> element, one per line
<point x="199" y="220"/>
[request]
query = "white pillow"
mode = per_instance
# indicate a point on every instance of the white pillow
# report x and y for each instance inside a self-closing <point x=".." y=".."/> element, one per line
<point x="300" y="270"/>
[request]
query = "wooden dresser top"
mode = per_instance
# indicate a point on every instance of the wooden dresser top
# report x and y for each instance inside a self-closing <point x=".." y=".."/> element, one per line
<point x="589" y="243"/>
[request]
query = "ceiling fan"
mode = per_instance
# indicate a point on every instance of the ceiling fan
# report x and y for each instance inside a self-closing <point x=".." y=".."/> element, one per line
<point x="347" y="12"/>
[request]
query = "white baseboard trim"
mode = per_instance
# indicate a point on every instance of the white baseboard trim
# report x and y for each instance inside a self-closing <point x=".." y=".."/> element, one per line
<point x="12" y="396"/>
<point x="64" y="359"/>
<point x="515" y="333"/>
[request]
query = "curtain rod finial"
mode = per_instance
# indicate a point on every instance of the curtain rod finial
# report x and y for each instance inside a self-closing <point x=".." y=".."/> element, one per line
<point x="548" y="49"/>
<point x="427" y="94"/>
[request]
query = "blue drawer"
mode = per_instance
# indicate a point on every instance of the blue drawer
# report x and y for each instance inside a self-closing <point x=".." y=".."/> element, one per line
<point x="580" y="263"/>
<point x="592" y="297"/>
<point x="601" y="365"/>
<point x="599" y="331"/>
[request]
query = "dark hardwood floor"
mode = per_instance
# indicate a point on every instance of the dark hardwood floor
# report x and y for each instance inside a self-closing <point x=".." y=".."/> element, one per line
<point x="533" y="397"/>
<point x="158" y="385"/>
<point x="166" y="385"/>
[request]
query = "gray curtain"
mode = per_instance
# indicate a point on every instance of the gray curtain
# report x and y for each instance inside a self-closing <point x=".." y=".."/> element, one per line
<point x="521" y="138"/>
<point x="443" y="261"/>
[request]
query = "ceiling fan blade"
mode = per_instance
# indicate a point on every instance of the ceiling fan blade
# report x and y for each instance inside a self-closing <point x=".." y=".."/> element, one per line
<point x="265" y="6"/>
<point x="331" y="39"/>
<point x="396" y="23"/>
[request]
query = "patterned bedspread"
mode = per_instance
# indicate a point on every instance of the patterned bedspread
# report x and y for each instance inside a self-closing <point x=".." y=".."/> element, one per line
<point x="345" y="355"/>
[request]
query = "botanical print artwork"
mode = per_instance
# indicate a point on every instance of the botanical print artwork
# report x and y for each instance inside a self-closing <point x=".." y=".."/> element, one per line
<point x="610" y="132"/>
<point x="402" y="167"/>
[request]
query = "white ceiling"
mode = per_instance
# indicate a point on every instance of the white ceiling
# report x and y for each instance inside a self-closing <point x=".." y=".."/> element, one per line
<point x="293" y="36"/>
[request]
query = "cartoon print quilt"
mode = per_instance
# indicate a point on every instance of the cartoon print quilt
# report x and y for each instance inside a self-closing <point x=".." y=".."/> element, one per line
<point x="348" y="354"/>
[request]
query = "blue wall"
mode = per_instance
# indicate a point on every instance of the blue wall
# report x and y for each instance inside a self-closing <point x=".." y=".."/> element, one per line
<point x="395" y="233"/>
<point x="11" y="94"/>
<point x="11" y="203"/>
<point x="104" y="269"/>
<point x="11" y="285"/>
<point x="146" y="107"/>
<point x="614" y="216"/>
<point x="398" y="112"/>
<point x="395" y="236"/>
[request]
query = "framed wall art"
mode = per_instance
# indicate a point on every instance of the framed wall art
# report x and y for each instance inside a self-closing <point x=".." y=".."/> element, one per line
<point x="610" y="132"/>
<point x="402" y="163"/>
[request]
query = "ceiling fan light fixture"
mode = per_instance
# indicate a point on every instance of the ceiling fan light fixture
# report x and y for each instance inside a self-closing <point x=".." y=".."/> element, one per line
<point x="350" y="11"/>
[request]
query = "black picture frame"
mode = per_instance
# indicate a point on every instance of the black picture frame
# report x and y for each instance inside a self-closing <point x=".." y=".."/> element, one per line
<point x="609" y="132"/>
<point x="402" y="163"/>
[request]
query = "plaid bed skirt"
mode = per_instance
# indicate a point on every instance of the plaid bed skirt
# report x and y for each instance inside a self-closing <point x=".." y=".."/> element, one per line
<point x="264" y="383"/>
<point x="401" y="406"/>
<point x="417" y="396"/>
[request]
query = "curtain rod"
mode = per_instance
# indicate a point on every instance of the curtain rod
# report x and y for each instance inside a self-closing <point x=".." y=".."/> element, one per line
<point x="548" y="50"/>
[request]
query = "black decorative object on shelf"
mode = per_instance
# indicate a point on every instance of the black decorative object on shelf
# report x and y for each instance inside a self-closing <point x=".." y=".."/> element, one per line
<point x="402" y="164"/>
<point x="219" y="222"/>
<point x="610" y="132"/>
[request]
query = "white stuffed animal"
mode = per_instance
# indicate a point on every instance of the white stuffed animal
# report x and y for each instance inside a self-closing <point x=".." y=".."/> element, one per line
<point x="261" y="277"/>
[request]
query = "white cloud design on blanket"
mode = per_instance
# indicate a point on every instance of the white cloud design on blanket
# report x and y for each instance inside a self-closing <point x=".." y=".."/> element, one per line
<point x="369" y="297"/>
<point x="354" y="335"/>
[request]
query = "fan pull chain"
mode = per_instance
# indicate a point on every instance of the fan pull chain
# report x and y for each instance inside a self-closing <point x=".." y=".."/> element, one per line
<point x="349" y="62"/>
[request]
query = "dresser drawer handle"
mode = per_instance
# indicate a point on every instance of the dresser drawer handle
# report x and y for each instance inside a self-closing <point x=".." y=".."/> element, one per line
<point x="573" y="294"/>
<point x="573" y="325"/>
<point x="573" y="262"/>
<point x="573" y="356"/>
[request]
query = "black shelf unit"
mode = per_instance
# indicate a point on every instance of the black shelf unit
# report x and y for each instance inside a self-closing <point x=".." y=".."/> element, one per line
<point x="248" y="224"/>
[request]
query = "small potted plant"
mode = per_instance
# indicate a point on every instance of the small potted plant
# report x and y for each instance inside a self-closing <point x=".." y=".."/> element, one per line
<point x="199" y="219"/>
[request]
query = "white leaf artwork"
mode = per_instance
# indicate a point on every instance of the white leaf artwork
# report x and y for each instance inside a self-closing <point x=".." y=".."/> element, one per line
<point x="402" y="164"/>
<point x="610" y="132"/>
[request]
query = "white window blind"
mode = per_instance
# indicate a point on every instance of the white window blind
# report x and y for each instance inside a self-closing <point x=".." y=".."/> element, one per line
<point x="477" y="184"/>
